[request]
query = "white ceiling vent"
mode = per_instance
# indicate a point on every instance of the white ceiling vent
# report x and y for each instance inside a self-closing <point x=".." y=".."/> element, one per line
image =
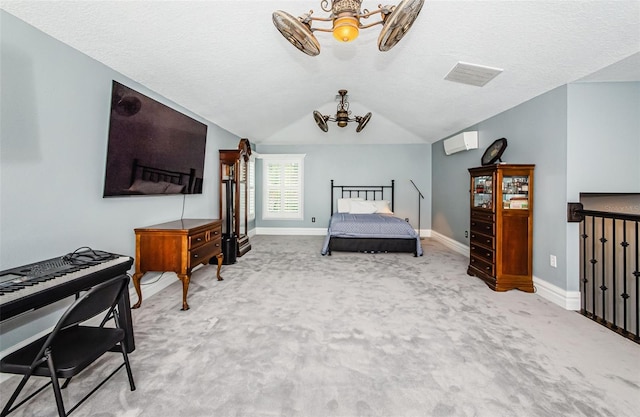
<point x="472" y="74"/>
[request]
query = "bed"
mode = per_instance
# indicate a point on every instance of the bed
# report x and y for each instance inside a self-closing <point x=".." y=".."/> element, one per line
<point x="362" y="220"/>
<point x="150" y="180"/>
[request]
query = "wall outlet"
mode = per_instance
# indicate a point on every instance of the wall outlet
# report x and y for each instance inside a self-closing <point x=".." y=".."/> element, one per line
<point x="406" y="219"/>
<point x="466" y="233"/>
<point x="553" y="261"/>
<point x="313" y="220"/>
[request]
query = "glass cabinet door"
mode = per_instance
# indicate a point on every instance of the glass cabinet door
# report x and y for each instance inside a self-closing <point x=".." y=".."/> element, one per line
<point x="515" y="192"/>
<point x="242" y="194"/>
<point x="227" y="209"/>
<point x="482" y="191"/>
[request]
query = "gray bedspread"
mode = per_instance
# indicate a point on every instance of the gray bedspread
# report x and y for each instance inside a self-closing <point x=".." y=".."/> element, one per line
<point x="371" y="226"/>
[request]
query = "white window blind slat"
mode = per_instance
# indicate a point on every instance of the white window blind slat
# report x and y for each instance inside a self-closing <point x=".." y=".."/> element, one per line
<point x="283" y="187"/>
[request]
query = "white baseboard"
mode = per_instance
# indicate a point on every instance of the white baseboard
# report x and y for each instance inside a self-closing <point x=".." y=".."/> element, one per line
<point x="451" y="244"/>
<point x="306" y="231"/>
<point x="569" y="300"/>
<point x="292" y="231"/>
<point x="152" y="283"/>
<point x="424" y="233"/>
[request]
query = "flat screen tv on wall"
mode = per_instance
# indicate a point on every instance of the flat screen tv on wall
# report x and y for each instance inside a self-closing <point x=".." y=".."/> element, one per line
<point x="152" y="148"/>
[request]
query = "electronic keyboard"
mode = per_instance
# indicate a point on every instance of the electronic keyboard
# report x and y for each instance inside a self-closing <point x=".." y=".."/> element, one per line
<point x="42" y="283"/>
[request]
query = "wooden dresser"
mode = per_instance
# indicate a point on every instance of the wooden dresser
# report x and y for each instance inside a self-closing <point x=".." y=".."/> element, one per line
<point x="501" y="241"/>
<point x="177" y="246"/>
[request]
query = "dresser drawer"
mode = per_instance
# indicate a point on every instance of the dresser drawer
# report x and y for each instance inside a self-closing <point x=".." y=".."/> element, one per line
<point x="482" y="216"/>
<point x="482" y="253"/>
<point x="203" y="237"/>
<point x="482" y="227"/>
<point x="205" y="252"/>
<point x="481" y="265"/>
<point x="482" y="240"/>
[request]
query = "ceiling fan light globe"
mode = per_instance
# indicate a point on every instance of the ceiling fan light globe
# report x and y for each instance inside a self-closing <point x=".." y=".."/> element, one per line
<point x="342" y="118"/>
<point x="345" y="29"/>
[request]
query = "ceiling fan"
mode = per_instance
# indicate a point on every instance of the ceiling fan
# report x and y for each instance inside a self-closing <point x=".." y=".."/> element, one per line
<point x="346" y="18"/>
<point x="342" y="115"/>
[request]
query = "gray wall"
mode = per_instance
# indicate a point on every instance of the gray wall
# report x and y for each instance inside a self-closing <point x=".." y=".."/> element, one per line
<point x="604" y="138"/>
<point x="55" y="115"/>
<point x="356" y="165"/>
<point x="582" y="138"/>
<point x="54" y="109"/>
<point x="603" y="149"/>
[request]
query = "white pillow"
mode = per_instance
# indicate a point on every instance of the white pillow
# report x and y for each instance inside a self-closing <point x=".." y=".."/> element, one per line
<point x="174" y="188"/>
<point x="148" y="187"/>
<point x="344" y="204"/>
<point x="382" y="206"/>
<point x="362" y="207"/>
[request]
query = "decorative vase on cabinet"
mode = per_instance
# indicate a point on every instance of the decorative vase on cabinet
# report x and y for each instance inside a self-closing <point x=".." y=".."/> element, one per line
<point x="501" y="237"/>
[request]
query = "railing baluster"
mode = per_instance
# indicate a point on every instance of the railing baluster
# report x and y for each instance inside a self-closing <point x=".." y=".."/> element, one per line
<point x="624" y="295"/>
<point x="593" y="267"/>
<point x="637" y="275"/>
<point x="603" y="286"/>
<point x="629" y="323"/>
<point x="584" y="266"/>
<point x="613" y="273"/>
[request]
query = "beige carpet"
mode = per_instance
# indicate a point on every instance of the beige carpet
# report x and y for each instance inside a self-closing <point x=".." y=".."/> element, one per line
<point x="292" y="333"/>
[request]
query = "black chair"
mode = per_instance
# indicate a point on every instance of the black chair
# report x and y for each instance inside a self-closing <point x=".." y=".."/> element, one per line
<point x="72" y="345"/>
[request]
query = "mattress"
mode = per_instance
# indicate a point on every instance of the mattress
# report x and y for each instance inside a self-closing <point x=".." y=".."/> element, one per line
<point x="379" y="226"/>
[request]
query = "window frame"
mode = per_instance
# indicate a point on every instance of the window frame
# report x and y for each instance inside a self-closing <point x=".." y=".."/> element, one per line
<point x="281" y="159"/>
<point x="251" y="188"/>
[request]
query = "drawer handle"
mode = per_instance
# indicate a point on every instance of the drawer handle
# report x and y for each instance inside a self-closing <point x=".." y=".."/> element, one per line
<point x="473" y="223"/>
<point x="473" y="247"/>
<point x="199" y="239"/>
<point x="195" y="255"/>
<point x="488" y="255"/>
<point x="217" y="245"/>
<point x="215" y="232"/>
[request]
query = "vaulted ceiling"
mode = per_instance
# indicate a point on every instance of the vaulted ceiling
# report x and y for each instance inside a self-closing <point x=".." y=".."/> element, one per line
<point x="225" y="61"/>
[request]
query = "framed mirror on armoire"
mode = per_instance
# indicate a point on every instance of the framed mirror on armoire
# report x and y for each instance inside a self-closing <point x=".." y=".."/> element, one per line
<point x="234" y="193"/>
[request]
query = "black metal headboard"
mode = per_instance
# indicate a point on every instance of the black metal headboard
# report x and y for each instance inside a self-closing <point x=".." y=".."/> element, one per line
<point x="368" y="192"/>
<point x="147" y="173"/>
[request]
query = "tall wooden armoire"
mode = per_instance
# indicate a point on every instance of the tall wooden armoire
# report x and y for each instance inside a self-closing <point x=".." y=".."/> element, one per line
<point x="501" y="237"/>
<point x="234" y="194"/>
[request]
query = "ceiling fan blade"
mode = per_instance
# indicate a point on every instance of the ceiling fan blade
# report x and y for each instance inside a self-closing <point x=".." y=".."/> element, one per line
<point x="320" y="121"/>
<point x="398" y="23"/>
<point x="296" y="32"/>
<point x="362" y="122"/>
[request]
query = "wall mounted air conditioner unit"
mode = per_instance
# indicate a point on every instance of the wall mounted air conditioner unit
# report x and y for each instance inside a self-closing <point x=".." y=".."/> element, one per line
<point x="461" y="142"/>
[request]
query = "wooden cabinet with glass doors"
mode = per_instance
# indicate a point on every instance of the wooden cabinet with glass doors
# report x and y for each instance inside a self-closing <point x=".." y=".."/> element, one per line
<point x="234" y="174"/>
<point x="501" y="227"/>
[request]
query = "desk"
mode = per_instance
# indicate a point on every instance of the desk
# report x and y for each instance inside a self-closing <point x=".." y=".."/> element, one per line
<point x="177" y="246"/>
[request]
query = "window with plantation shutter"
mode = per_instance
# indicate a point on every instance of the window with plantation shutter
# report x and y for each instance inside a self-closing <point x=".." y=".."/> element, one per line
<point x="252" y="188"/>
<point x="283" y="187"/>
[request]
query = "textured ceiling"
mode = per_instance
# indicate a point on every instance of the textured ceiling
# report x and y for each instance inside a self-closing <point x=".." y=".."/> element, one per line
<point x="225" y="61"/>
